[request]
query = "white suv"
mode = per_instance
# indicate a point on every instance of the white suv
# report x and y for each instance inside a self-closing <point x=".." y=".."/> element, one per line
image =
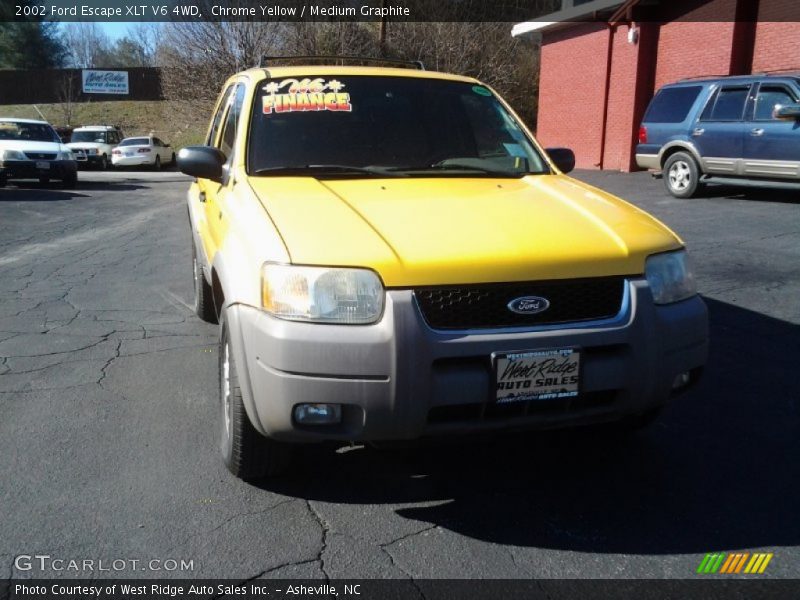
<point x="93" y="144"/>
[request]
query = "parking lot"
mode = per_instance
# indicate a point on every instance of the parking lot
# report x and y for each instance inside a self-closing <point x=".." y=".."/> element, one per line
<point x="108" y="389"/>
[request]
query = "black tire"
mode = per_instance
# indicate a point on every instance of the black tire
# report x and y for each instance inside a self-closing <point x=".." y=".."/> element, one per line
<point x="172" y="162"/>
<point x="70" y="181"/>
<point x="157" y="164"/>
<point x="104" y="163"/>
<point x="246" y="453"/>
<point x="682" y="175"/>
<point x="203" y="294"/>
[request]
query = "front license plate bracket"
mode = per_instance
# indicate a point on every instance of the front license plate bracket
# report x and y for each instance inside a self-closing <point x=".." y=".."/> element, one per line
<point x="549" y="374"/>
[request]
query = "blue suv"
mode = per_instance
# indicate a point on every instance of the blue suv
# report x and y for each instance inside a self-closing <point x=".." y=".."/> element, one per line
<point x="732" y="127"/>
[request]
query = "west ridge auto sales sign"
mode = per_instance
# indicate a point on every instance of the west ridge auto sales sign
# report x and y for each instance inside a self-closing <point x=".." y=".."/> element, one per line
<point x="105" y="82"/>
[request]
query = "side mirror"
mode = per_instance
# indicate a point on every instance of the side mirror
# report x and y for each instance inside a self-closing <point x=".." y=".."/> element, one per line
<point x="203" y="162"/>
<point x="564" y="158"/>
<point x="788" y="112"/>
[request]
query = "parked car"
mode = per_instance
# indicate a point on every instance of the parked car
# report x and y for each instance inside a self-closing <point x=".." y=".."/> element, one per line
<point x="31" y="149"/>
<point x="744" y="127"/>
<point x="391" y="255"/>
<point x="143" y="151"/>
<point x="93" y="144"/>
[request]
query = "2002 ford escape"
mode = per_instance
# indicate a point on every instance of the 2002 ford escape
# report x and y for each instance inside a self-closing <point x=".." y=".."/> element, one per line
<point x="391" y="255"/>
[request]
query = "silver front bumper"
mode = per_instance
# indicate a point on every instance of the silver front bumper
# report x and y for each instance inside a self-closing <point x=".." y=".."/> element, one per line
<point x="399" y="379"/>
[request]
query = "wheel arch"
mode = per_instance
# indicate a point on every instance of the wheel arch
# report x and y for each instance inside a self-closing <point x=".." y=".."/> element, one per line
<point x="680" y="146"/>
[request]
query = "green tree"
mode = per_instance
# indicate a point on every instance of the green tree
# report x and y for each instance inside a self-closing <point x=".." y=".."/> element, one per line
<point x="33" y="44"/>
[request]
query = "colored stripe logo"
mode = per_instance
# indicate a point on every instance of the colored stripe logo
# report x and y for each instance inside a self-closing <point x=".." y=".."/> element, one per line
<point x="736" y="562"/>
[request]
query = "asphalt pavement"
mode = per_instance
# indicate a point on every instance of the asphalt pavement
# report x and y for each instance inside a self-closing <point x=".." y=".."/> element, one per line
<point x="108" y="391"/>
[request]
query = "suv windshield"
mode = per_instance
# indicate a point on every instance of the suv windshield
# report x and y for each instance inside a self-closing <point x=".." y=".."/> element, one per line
<point x="400" y="126"/>
<point x="32" y="132"/>
<point x="97" y="137"/>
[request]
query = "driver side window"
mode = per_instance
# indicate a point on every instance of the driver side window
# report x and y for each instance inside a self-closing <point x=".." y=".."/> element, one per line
<point x="228" y="137"/>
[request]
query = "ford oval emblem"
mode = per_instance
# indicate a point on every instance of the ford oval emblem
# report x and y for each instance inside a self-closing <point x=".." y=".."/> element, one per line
<point x="529" y="305"/>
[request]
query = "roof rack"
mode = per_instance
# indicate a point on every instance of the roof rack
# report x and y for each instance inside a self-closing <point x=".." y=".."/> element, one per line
<point x="417" y="64"/>
<point x="711" y="76"/>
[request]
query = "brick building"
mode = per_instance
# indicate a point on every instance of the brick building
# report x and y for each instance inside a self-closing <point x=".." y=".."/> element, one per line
<point x="602" y="61"/>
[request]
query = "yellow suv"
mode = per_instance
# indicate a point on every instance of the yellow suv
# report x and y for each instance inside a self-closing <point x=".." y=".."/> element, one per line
<point x="391" y="255"/>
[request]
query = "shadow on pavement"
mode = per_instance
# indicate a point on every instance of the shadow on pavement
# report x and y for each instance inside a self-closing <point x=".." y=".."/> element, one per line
<point x="782" y="195"/>
<point x="718" y="471"/>
<point x="38" y="192"/>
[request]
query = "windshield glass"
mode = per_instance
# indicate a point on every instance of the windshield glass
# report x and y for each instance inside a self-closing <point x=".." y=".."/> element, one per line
<point x="97" y="137"/>
<point x="135" y="142"/>
<point x="32" y="132"/>
<point x="385" y="125"/>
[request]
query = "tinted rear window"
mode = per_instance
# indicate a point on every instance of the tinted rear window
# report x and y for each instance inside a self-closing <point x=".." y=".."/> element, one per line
<point x="672" y="105"/>
<point x="136" y="142"/>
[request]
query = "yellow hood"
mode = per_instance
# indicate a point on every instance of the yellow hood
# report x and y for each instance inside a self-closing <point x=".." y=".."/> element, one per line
<point x="417" y="232"/>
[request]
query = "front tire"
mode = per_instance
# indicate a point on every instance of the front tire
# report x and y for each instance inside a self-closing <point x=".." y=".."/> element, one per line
<point x="104" y="163"/>
<point x="157" y="164"/>
<point x="246" y="453"/>
<point x="682" y="175"/>
<point x="203" y="293"/>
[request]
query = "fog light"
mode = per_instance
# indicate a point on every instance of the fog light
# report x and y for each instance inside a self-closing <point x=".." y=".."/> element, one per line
<point x="318" y="414"/>
<point x="681" y="380"/>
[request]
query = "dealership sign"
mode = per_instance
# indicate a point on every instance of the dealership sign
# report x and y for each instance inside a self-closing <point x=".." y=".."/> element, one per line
<point x="105" y="82"/>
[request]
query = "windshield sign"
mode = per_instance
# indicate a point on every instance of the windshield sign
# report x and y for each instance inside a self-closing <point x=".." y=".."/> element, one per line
<point x="385" y="126"/>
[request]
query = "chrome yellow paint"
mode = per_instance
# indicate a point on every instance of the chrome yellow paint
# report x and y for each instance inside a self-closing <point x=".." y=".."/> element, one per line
<point x="420" y="231"/>
<point x="434" y="231"/>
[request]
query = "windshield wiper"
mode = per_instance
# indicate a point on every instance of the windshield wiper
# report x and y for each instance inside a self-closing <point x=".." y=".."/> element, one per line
<point x="452" y="166"/>
<point x="371" y="171"/>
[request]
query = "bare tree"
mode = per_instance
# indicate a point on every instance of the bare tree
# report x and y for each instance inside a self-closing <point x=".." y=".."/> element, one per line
<point x="146" y="36"/>
<point x="67" y="95"/>
<point x="198" y="57"/>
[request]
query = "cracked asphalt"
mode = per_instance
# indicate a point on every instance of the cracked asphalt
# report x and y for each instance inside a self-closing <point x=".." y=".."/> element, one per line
<point x="108" y="397"/>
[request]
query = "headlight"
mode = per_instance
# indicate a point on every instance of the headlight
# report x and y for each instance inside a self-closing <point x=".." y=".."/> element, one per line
<point x="322" y="295"/>
<point x="670" y="277"/>
<point x="91" y="151"/>
<point x="13" y="155"/>
<point x="65" y="155"/>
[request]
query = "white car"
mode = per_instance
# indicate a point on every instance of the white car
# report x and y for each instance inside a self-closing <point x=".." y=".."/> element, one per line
<point x="143" y="151"/>
<point x="32" y="150"/>
<point x="93" y="144"/>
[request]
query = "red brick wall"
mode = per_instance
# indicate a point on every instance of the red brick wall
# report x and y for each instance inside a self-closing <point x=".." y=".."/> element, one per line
<point x="621" y="102"/>
<point x="692" y="49"/>
<point x="571" y="83"/>
<point x="777" y="46"/>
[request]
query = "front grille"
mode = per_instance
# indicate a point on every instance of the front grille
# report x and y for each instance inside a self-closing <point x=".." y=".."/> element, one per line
<point x="486" y="305"/>
<point x="40" y="156"/>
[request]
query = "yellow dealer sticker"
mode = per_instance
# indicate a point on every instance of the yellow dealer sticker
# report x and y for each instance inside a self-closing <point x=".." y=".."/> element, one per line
<point x="304" y="95"/>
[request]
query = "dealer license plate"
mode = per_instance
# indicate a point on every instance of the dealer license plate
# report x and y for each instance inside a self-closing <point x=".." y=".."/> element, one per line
<point x="43" y="165"/>
<point x="538" y="375"/>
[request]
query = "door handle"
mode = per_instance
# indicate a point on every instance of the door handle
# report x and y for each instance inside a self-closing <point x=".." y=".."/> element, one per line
<point x="698" y="132"/>
<point x="202" y="197"/>
<point x="757" y="132"/>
